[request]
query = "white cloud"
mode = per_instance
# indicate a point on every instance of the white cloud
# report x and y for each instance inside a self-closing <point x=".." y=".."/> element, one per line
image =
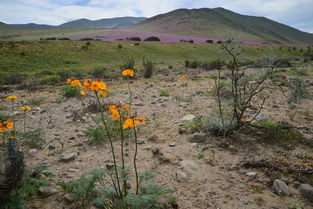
<point x="298" y="13"/>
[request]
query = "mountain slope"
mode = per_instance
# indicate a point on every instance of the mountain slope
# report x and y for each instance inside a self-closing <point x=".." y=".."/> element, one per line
<point x="111" y="23"/>
<point x="220" y="23"/>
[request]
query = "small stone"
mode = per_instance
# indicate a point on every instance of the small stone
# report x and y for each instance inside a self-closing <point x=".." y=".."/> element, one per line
<point x="180" y="175"/>
<point x="189" y="166"/>
<point x="47" y="191"/>
<point x="173" y="144"/>
<point x="152" y="137"/>
<point x="280" y="187"/>
<point x="251" y="174"/>
<point x="167" y="157"/>
<point x="188" y="117"/>
<point x="184" y="85"/>
<point x="68" y="157"/>
<point x="198" y="138"/>
<point x="140" y="141"/>
<point x="306" y="191"/>
<point x="147" y="148"/>
<point x="73" y="170"/>
<point x="32" y="151"/>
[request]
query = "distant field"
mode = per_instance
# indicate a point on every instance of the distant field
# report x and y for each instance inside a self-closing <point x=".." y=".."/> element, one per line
<point x="31" y="57"/>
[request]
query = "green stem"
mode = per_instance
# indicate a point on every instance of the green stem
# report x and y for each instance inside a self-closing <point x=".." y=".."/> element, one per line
<point x="13" y="117"/>
<point x="112" y="147"/>
<point x="122" y="151"/>
<point x="24" y="120"/>
<point x="135" y="157"/>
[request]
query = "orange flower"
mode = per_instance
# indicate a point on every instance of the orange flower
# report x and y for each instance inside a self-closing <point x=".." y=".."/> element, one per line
<point x="76" y="83"/>
<point x="142" y="119"/>
<point x="87" y="84"/>
<point x="128" y="72"/>
<point x="69" y="80"/>
<point x="113" y="108"/>
<point x="2" y="129"/>
<point x="115" y="115"/>
<point x="82" y="93"/>
<point x="8" y="124"/>
<point x="26" y="108"/>
<point x="95" y="86"/>
<point x="126" y="107"/>
<point x="102" y="86"/>
<point x="130" y="123"/>
<point x="182" y="78"/>
<point x="103" y="93"/>
<point x="13" y="97"/>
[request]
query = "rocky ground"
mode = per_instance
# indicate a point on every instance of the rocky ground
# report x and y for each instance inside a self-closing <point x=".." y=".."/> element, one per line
<point x="212" y="179"/>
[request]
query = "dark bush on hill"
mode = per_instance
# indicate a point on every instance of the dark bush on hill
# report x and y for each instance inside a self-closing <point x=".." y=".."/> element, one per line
<point x="152" y="38"/>
<point x="12" y="79"/>
<point x="187" y="63"/>
<point x="87" y="39"/>
<point x="210" y="41"/>
<point x="213" y="65"/>
<point x="64" y="39"/>
<point x="134" y="39"/>
<point x="149" y="68"/>
<point x="51" y="39"/>
<point x="219" y="42"/>
<point x="191" y="41"/>
<point x="308" y="55"/>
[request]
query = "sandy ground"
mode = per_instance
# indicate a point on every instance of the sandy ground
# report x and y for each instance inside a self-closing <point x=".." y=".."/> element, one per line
<point x="216" y="182"/>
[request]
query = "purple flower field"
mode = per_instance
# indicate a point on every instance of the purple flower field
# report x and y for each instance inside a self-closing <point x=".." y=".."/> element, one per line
<point x="122" y="35"/>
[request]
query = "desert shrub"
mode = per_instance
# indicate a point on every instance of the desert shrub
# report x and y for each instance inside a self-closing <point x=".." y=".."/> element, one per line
<point x="191" y="41"/>
<point x="267" y="61"/>
<point x="170" y="67"/>
<point x="93" y="187"/>
<point x="298" y="90"/>
<point x="87" y="39"/>
<point x="164" y="93"/>
<point x="70" y="91"/>
<point x="129" y="63"/>
<point x="3" y="117"/>
<point x="51" y="38"/>
<point x="195" y="64"/>
<point x="210" y="41"/>
<point x="298" y="72"/>
<point x="275" y="132"/>
<point x="134" y="39"/>
<point x="99" y="135"/>
<point x="152" y="38"/>
<point x="12" y="79"/>
<point x="187" y="63"/>
<point x="149" y="68"/>
<point x="49" y="80"/>
<point x="308" y="54"/>
<point x="137" y="44"/>
<point x="215" y="125"/>
<point x="219" y="42"/>
<point x="195" y="125"/>
<point x="33" y="179"/>
<point x="32" y="139"/>
<point x="46" y="72"/>
<point x="213" y="64"/>
<point x="119" y="46"/>
<point x="64" y="39"/>
<point x="99" y="73"/>
<point x="64" y="75"/>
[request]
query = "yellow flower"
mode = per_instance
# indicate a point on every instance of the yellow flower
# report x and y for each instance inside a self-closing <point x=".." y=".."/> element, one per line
<point x="113" y="108"/>
<point x="89" y="156"/>
<point x="182" y="78"/>
<point x="11" y="98"/>
<point x="26" y="108"/>
<point x="115" y="115"/>
<point x="76" y="83"/>
<point x="82" y="93"/>
<point x="128" y="72"/>
<point x="103" y="94"/>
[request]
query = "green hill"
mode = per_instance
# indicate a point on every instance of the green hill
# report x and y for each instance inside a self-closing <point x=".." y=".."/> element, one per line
<point x="220" y="23"/>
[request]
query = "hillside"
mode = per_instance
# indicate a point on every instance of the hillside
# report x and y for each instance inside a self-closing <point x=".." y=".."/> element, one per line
<point x="219" y="23"/>
<point x="111" y="23"/>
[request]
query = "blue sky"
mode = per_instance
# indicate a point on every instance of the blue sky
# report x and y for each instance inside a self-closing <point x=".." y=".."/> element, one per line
<point x="296" y="13"/>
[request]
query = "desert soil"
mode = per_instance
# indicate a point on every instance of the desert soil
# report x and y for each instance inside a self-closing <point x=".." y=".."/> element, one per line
<point x="214" y="181"/>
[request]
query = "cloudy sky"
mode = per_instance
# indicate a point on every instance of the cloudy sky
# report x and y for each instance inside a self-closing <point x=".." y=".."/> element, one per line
<point x="296" y="13"/>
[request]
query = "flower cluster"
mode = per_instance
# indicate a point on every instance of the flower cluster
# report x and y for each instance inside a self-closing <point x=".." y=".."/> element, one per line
<point x="26" y="108"/>
<point x="11" y="98"/>
<point x="6" y="125"/>
<point x="95" y="86"/>
<point x="128" y="72"/>
<point x="129" y="122"/>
